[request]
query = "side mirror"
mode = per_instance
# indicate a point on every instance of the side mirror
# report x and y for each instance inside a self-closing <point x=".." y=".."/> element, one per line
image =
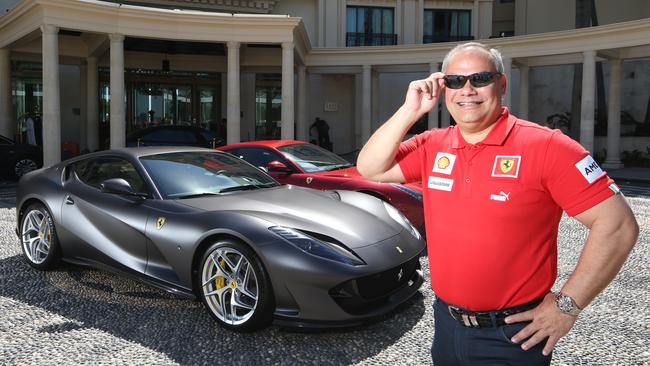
<point x="119" y="186"/>
<point x="278" y="167"/>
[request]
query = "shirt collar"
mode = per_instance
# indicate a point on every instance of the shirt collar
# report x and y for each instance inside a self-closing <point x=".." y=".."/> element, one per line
<point x="497" y="136"/>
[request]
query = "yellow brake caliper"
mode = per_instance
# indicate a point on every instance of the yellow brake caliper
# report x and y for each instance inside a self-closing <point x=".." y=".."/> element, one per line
<point x="220" y="281"/>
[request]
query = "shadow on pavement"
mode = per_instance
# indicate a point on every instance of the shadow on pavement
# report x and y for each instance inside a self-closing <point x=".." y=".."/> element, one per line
<point x="182" y="329"/>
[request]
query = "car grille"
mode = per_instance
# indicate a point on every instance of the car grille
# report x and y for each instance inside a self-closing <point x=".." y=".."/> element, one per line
<point x="362" y="294"/>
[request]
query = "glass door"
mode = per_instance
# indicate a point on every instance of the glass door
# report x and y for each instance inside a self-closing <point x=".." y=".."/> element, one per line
<point x="27" y="100"/>
<point x="208" y="104"/>
<point x="159" y="104"/>
<point x="268" y="108"/>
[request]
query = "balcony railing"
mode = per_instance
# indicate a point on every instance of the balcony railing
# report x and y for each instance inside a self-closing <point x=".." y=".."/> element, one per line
<point x="370" y="39"/>
<point x="437" y="39"/>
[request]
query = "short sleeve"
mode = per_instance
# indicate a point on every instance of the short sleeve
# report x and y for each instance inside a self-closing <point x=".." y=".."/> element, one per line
<point x="572" y="177"/>
<point x="409" y="157"/>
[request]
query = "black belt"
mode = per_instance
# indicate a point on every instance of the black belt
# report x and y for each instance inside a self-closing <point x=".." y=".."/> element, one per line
<point x="484" y="319"/>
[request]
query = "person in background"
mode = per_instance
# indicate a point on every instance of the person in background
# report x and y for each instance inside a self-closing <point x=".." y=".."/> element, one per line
<point x="322" y="133"/>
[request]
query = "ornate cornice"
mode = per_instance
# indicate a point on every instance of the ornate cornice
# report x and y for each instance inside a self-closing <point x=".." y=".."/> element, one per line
<point x="230" y="6"/>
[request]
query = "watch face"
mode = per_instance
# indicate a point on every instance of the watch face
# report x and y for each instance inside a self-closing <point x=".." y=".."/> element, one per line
<point x="564" y="303"/>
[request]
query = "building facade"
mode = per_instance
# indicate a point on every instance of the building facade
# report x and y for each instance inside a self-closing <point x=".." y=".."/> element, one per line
<point x="261" y="69"/>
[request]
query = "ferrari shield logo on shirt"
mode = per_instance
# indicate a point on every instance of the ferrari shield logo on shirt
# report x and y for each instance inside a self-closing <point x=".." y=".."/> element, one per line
<point x="506" y="166"/>
<point x="589" y="169"/>
<point x="444" y="163"/>
<point x="441" y="184"/>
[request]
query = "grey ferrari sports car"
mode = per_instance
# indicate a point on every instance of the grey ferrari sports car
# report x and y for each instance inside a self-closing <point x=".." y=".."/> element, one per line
<point x="207" y="225"/>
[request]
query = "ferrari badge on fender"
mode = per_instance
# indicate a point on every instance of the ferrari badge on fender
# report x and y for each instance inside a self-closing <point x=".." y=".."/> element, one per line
<point x="160" y="223"/>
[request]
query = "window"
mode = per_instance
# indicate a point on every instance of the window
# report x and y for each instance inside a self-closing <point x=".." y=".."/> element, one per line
<point x="370" y="26"/>
<point x="268" y="106"/>
<point x="447" y="25"/>
<point x="95" y="171"/>
<point x="203" y="173"/>
<point x="259" y="157"/>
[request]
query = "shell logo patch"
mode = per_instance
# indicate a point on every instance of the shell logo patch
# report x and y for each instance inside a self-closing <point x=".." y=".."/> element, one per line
<point x="506" y="166"/>
<point x="444" y="163"/>
<point x="160" y="223"/>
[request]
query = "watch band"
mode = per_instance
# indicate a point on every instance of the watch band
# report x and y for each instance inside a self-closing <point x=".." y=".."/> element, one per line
<point x="567" y="304"/>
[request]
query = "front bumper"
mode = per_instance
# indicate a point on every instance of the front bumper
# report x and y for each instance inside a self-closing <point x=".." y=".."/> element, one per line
<point x="359" y="300"/>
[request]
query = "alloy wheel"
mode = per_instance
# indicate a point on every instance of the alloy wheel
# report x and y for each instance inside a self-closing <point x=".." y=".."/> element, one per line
<point x="230" y="286"/>
<point x="36" y="236"/>
<point x="24" y="166"/>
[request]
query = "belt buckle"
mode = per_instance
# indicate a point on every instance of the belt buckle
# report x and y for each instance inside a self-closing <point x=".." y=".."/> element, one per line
<point x="469" y="320"/>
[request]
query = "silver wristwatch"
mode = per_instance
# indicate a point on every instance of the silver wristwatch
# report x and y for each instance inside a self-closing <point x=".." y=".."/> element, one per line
<point x="566" y="304"/>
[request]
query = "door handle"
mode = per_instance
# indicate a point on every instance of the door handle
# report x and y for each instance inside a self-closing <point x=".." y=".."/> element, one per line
<point x="69" y="200"/>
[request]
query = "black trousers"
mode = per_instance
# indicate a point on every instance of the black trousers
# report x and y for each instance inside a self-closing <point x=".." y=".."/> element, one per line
<point x="456" y="344"/>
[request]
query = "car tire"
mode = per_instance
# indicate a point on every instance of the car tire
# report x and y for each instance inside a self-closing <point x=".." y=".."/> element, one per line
<point x="235" y="287"/>
<point x="38" y="238"/>
<point x="22" y="165"/>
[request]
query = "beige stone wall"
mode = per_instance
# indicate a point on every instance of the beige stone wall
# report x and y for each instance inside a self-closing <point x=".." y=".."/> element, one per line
<point x="540" y="16"/>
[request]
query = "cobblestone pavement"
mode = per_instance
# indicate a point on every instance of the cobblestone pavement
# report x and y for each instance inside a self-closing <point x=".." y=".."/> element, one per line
<point x="78" y="316"/>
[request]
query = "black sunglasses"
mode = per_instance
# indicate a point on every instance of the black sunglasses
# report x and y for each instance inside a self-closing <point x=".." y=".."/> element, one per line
<point x="478" y="80"/>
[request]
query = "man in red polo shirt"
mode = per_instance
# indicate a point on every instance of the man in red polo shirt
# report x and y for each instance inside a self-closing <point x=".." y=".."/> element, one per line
<point x="495" y="187"/>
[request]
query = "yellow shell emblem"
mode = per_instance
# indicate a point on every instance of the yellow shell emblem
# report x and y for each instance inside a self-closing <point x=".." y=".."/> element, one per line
<point x="443" y="162"/>
<point x="506" y="165"/>
<point x="160" y="223"/>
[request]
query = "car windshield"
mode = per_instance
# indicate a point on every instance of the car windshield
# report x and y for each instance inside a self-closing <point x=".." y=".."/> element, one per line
<point x="312" y="158"/>
<point x="201" y="173"/>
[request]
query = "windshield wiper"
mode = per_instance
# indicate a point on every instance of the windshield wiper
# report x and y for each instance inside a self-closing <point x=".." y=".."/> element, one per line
<point x="338" y="166"/>
<point x="247" y="187"/>
<point x="195" y="195"/>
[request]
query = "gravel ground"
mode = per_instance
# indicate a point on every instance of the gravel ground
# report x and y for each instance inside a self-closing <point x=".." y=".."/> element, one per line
<point x="79" y="316"/>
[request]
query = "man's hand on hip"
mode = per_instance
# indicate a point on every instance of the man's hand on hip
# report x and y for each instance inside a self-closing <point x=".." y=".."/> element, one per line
<point x="547" y="321"/>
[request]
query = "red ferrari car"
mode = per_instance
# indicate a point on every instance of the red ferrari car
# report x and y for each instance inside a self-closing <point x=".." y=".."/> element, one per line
<point x="307" y="165"/>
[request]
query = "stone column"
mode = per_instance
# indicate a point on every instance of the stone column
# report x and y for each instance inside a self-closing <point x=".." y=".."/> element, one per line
<point x="507" y="69"/>
<point x="475" y="20"/>
<point x="613" y="160"/>
<point x="433" y="114"/>
<point x="51" y="96"/>
<point x="7" y="122"/>
<point x="588" y="100"/>
<point x="398" y="21"/>
<point x="118" y="103"/>
<point x="419" y="35"/>
<point x="523" y="91"/>
<point x="366" y="98"/>
<point x="288" y="129"/>
<point x="233" y="124"/>
<point x="302" y="123"/>
<point x="92" y="105"/>
<point x="374" y="100"/>
<point x="321" y="23"/>
<point x="83" y="108"/>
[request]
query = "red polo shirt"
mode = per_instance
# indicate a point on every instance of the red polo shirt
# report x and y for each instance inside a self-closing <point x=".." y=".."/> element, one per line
<point x="492" y="209"/>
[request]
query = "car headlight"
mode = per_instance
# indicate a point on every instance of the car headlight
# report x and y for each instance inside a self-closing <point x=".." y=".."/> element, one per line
<point x="311" y="245"/>
<point x="408" y="190"/>
<point x="401" y="219"/>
